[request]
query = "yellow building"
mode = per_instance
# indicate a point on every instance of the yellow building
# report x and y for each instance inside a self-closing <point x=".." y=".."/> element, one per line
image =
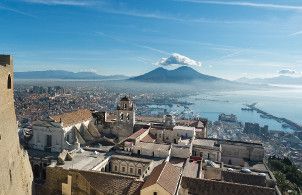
<point x="163" y="180"/>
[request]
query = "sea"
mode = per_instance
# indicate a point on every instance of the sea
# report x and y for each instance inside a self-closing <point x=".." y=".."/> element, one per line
<point x="284" y="101"/>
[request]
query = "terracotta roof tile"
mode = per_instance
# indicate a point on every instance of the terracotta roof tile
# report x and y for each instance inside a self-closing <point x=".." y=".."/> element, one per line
<point x="72" y="118"/>
<point x="111" y="183"/>
<point x="166" y="175"/>
<point x="135" y="187"/>
<point x="149" y="138"/>
<point x="136" y="134"/>
<point x="250" y="179"/>
<point x="211" y="187"/>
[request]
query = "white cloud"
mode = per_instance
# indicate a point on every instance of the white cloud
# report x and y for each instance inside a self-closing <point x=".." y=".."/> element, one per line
<point x="177" y="59"/>
<point x="287" y="72"/>
<point x="296" y="33"/>
<point x="106" y="8"/>
<point x="63" y="2"/>
<point x="249" y="4"/>
<point x="131" y="43"/>
<point x="3" y="7"/>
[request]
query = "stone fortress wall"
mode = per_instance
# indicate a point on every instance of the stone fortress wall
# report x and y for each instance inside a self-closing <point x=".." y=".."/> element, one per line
<point x="15" y="170"/>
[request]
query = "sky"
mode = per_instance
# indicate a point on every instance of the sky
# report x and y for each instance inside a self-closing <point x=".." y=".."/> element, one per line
<point x="228" y="39"/>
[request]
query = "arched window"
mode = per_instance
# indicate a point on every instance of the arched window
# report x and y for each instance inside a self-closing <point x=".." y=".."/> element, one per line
<point x="122" y="116"/>
<point x="9" y="82"/>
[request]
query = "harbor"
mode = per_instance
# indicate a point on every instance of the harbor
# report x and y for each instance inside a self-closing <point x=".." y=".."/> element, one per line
<point x="286" y="123"/>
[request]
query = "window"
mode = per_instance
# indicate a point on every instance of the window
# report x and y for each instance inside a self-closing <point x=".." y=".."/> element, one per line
<point x="9" y="82"/>
<point x="139" y="171"/>
<point x="125" y="106"/>
<point x="122" y="116"/>
<point x="10" y="176"/>
<point x="123" y="169"/>
<point x="154" y="193"/>
<point x="131" y="170"/>
<point x="128" y="117"/>
<point x="115" y="168"/>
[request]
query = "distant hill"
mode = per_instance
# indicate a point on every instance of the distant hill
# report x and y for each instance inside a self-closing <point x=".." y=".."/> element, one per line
<point x="182" y="74"/>
<point x="62" y="74"/>
<point x="279" y="80"/>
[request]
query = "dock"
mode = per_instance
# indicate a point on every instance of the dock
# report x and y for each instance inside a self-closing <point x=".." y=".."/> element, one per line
<point x="264" y="114"/>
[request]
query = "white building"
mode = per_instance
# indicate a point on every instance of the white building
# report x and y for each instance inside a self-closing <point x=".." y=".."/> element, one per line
<point x="152" y="149"/>
<point x="184" y="131"/>
<point x="65" y="131"/>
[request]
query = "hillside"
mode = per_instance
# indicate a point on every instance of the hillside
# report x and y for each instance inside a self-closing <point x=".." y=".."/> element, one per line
<point x="62" y="74"/>
<point x="279" y="80"/>
<point x="182" y="74"/>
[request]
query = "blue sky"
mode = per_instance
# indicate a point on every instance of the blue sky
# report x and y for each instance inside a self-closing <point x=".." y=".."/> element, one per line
<point x="231" y="39"/>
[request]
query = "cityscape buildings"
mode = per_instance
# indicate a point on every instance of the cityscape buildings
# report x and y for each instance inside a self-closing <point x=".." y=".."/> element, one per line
<point x="89" y="151"/>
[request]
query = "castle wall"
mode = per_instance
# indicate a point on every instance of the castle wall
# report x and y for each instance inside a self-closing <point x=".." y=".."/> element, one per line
<point x="16" y="174"/>
<point x="238" y="153"/>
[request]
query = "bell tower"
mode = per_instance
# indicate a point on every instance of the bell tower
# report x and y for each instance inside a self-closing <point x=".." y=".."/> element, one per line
<point x="15" y="170"/>
<point x="125" y="114"/>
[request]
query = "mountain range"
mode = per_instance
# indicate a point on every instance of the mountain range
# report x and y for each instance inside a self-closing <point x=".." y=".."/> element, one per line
<point x="62" y="74"/>
<point x="278" y="80"/>
<point x="182" y="74"/>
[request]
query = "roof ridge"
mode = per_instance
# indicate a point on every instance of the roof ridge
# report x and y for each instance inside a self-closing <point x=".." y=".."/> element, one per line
<point x="165" y="163"/>
<point x="170" y="164"/>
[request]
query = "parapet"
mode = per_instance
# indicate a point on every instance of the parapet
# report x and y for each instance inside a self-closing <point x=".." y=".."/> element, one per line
<point x="5" y="60"/>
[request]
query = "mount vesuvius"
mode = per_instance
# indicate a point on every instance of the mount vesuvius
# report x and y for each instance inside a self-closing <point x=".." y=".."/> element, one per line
<point x="182" y="74"/>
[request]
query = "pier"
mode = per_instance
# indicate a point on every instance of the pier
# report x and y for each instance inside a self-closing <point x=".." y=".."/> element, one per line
<point x="264" y="114"/>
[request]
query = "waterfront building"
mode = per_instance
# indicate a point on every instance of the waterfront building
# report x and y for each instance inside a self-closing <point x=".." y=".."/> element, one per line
<point x="227" y="118"/>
